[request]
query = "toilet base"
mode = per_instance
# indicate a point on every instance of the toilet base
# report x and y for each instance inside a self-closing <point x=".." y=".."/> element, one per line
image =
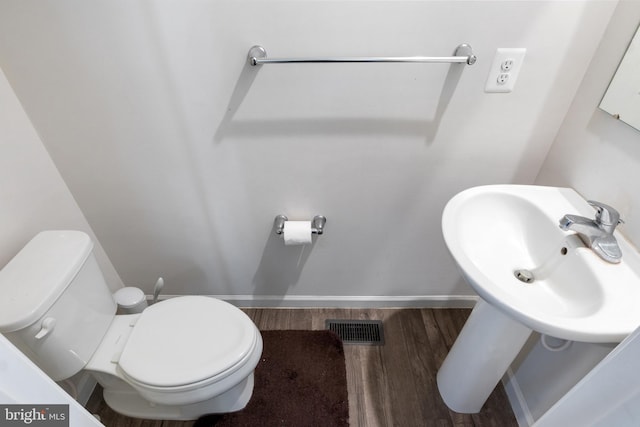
<point x="130" y="403"/>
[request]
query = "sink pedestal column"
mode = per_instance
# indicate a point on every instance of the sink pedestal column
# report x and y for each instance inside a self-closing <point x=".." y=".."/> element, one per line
<point x="479" y="358"/>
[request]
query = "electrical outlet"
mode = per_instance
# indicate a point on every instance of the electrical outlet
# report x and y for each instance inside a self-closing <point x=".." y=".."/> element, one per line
<point x="503" y="78"/>
<point x="505" y="69"/>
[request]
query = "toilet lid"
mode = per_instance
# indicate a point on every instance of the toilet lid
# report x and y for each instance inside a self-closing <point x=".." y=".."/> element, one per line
<point x="185" y="340"/>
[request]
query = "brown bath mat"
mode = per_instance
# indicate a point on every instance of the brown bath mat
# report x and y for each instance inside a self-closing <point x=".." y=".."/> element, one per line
<point x="299" y="381"/>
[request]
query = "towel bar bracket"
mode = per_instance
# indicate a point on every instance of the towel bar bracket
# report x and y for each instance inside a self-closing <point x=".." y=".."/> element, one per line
<point x="256" y="53"/>
<point x="465" y="50"/>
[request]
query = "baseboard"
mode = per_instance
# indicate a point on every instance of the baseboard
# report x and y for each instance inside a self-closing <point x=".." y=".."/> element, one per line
<point x="517" y="400"/>
<point x="341" y="301"/>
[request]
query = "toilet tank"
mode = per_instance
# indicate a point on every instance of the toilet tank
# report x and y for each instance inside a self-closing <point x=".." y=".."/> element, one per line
<point x="55" y="305"/>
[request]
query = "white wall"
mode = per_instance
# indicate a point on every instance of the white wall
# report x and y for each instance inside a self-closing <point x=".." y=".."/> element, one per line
<point x="540" y="377"/>
<point x="594" y="153"/>
<point x="33" y="196"/>
<point x="600" y="158"/>
<point x="608" y="396"/>
<point x="180" y="155"/>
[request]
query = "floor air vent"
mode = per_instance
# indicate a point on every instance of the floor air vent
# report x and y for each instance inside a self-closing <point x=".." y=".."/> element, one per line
<point x="364" y="332"/>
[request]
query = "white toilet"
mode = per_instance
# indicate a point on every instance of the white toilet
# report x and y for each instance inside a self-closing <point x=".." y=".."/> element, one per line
<point x="178" y="359"/>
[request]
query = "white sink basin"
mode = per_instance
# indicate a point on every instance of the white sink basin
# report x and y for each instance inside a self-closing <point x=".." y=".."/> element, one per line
<point x="492" y="231"/>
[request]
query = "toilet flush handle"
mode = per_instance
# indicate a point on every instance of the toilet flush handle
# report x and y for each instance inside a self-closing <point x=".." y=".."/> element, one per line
<point x="47" y="327"/>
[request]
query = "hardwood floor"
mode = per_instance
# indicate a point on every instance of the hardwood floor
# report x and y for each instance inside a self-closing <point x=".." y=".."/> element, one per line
<point x="390" y="385"/>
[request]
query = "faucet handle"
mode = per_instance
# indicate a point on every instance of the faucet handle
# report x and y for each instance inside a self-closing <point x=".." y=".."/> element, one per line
<point x="606" y="216"/>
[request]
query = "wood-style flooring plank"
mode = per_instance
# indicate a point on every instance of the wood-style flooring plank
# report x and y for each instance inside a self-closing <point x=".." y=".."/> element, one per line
<point x="390" y="385"/>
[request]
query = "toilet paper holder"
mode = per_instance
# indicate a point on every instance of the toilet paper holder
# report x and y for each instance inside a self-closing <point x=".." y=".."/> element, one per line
<point x="317" y="224"/>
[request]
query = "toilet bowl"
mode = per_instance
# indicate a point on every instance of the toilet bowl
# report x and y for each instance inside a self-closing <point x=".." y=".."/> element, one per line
<point x="178" y="359"/>
<point x="178" y="352"/>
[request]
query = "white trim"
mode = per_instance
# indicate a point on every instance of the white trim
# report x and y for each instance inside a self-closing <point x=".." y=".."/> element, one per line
<point x="22" y="382"/>
<point x="346" y="301"/>
<point x="517" y="400"/>
<point x="86" y="385"/>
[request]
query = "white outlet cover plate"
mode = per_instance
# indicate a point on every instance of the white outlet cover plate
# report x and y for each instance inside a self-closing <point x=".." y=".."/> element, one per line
<point x="502" y="54"/>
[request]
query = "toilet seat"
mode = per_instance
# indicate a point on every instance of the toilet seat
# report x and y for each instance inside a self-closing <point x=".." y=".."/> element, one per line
<point x="187" y="343"/>
<point x="164" y="353"/>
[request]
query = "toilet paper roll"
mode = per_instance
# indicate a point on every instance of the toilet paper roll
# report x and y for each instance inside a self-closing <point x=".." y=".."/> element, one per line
<point x="297" y="233"/>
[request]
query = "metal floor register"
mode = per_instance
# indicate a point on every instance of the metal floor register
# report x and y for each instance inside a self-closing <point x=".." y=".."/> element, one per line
<point x="363" y="332"/>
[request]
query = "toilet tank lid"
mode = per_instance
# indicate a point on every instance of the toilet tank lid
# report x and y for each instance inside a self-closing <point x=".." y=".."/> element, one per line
<point x="34" y="279"/>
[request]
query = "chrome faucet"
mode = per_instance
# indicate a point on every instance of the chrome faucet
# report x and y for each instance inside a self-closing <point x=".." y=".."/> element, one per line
<point x="597" y="233"/>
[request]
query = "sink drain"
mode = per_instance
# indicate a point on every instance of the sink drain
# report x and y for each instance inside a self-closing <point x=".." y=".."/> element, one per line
<point x="524" y="276"/>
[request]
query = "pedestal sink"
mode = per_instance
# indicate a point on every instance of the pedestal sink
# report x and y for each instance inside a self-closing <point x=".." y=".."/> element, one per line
<point x="530" y="276"/>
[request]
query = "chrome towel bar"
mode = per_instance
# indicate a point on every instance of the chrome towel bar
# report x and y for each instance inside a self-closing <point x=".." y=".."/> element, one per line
<point x="462" y="54"/>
